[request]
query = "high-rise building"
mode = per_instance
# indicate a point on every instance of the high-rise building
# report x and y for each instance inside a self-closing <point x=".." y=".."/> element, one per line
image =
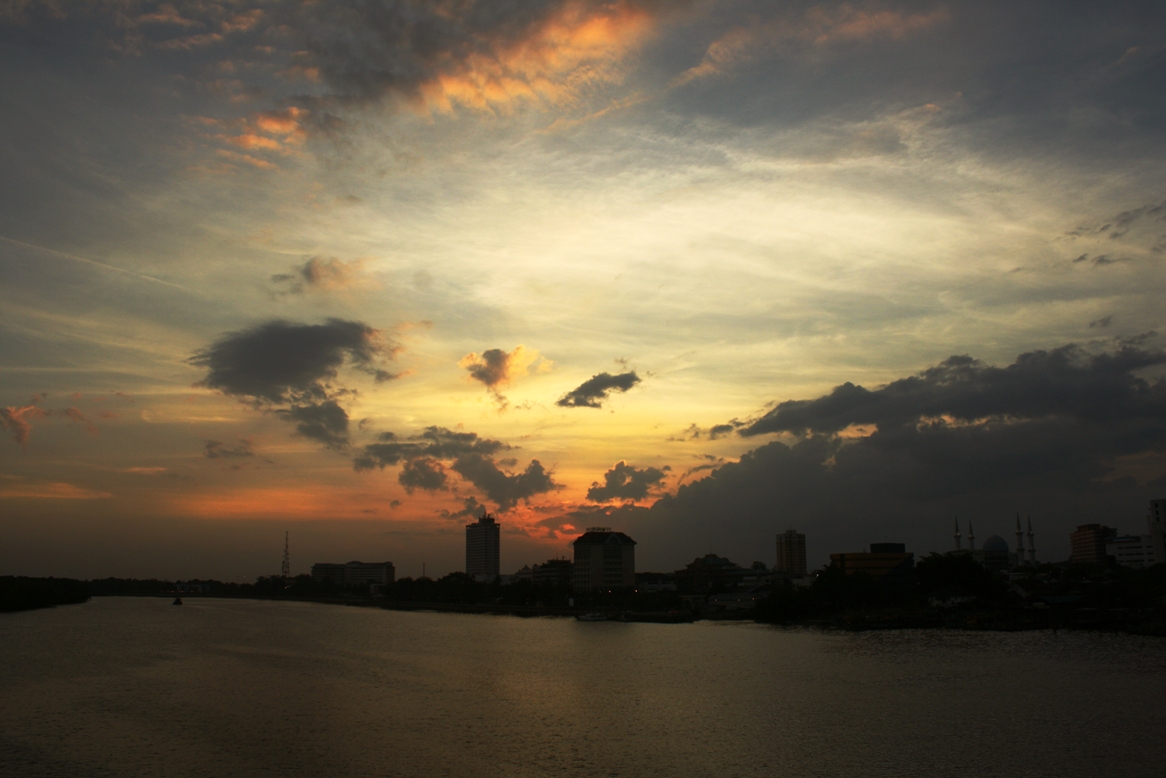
<point x="604" y="560"/>
<point x="1156" y="521"/>
<point x="791" y="554"/>
<point x="482" y="549"/>
<point x="1088" y="544"/>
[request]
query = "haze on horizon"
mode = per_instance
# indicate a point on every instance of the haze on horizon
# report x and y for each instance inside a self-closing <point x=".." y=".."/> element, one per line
<point x="701" y="271"/>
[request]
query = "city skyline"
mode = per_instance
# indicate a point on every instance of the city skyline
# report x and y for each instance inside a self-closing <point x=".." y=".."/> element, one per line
<point x="702" y="271"/>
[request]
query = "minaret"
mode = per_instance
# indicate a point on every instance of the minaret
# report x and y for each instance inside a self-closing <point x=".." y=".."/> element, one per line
<point x="957" y="533"/>
<point x="971" y="537"/>
<point x="285" y="570"/>
<point x="1019" y="543"/>
<point x="1031" y="547"/>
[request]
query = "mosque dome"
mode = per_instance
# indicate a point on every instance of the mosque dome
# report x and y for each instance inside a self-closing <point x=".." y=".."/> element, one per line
<point x="996" y="543"/>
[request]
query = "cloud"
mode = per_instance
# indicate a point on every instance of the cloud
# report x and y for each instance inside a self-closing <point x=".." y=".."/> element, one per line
<point x="326" y="422"/>
<point x="15" y="419"/>
<point x="1066" y="381"/>
<point x="216" y="449"/>
<point x="1103" y="322"/>
<point x="281" y="363"/>
<point x="76" y="415"/>
<point x="495" y="368"/>
<point x="50" y="490"/>
<point x="422" y="473"/>
<point x="325" y="274"/>
<point x="481" y="56"/>
<point x="1063" y="434"/>
<point x="1118" y="226"/>
<point x="592" y="392"/>
<point x="625" y="482"/>
<point x="468" y="455"/>
<point x="470" y="507"/>
<point x="817" y="27"/>
<point x="501" y="487"/>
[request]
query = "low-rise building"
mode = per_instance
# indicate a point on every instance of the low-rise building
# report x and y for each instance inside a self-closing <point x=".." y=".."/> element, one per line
<point x="354" y="573"/>
<point x="889" y="564"/>
<point x="1132" y="550"/>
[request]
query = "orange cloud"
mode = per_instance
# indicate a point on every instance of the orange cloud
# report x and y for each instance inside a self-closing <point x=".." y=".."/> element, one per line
<point x="16" y="420"/>
<point x="246" y="158"/>
<point x="285" y="122"/>
<point x="55" y="490"/>
<point x="577" y="47"/>
<point x="251" y="141"/>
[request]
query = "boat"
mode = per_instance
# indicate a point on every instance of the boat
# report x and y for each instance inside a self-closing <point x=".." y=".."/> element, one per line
<point x="177" y="601"/>
<point x="592" y="617"/>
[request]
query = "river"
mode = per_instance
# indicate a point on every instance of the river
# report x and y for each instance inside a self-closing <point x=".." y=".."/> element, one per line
<point x="139" y="687"/>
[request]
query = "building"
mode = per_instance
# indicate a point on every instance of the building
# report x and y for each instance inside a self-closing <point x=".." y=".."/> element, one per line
<point x="1156" y="525"/>
<point x="890" y="564"/>
<point x="1132" y="550"/>
<point x="604" y="560"/>
<point x="713" y="573"/>
<point x="354" y="573"/>
<point x="553" y="572"/>
<point x="482" y="549"/>
<point x="995" y="554"/>
<point x="1088" y="544"/>
<point x="791" y="554"/>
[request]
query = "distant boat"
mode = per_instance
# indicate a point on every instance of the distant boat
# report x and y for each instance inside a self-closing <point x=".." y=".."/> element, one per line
<point x="592" y="617"/>
<point x="177" y="601"/>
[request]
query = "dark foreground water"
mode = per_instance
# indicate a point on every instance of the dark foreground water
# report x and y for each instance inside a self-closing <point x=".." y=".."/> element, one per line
<point x="138" y="687"/>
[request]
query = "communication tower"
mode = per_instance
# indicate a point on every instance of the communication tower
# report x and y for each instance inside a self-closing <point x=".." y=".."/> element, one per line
<point x="285" y="571"/>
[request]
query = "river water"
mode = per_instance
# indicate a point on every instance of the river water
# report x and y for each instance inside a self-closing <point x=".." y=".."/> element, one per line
<point x="139" y="687"/>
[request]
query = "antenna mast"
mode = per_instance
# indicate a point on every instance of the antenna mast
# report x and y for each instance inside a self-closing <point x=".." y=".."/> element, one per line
<point x="285" y="571"/>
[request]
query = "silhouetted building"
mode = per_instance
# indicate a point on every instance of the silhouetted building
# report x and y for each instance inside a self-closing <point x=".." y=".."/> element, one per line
<point x="482" y="549"/>
<point x="556" y="572"/>
<point x="1088" y="544"/>
<point x="890" y="564"/>
<point x="709" y="573"/>
<point x="791" y="554"/>
<point x="354" y="573"/>
<point x="1132" y="550"/>
<point x="655" y="582"/>
<point x="1156" y="525"/>
<point x="994" y="555"/>
<point x="604" y="560"/>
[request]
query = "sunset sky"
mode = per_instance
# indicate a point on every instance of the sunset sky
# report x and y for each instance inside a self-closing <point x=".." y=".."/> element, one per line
<point x="701" y="271"/>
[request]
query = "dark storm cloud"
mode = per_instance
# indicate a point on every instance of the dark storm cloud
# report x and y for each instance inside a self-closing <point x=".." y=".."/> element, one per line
<point x="592" y="392"/>
<point x="1065" y="435"/>
<point x="498" y="485"/>
<point x="1063" y="382"/>
<point x="625" y="482"/>
<point x="469" y="455"/>
<point x="433" y="442"/>
<point x="326" y="422"/>
<point x="280" y="361"/>
<point x="291" y="369"/>
<point x="422" y="473"/>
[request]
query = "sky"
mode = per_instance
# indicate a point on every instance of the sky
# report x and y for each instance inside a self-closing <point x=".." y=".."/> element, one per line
<point x="699" y="271"/>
